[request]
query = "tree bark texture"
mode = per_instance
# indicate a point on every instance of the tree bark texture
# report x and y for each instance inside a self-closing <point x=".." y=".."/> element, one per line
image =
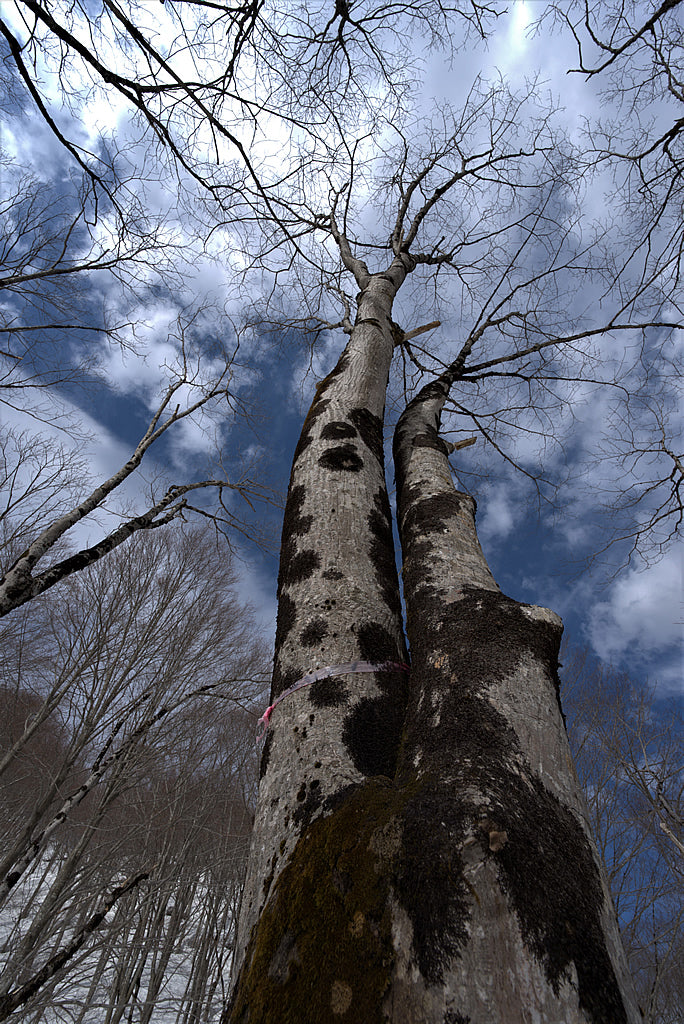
<point x="507" y="914"/>
<point x="338" y="602"/>
<point x="425" y="857"/>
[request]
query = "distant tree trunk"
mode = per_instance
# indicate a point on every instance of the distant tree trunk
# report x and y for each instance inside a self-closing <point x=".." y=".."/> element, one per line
<point x="447" y="875"/>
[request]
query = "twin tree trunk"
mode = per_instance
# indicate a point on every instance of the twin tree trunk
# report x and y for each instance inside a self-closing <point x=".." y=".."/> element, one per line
<point x="421" y="851"/>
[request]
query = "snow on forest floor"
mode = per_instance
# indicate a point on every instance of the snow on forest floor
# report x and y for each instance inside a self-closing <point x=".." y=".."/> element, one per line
<point x="122" y="972"/>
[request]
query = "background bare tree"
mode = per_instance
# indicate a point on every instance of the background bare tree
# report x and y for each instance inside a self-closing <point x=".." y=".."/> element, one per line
<point x="126" y="782"/>
<point x="627" y="748"/>
<point x="252" y="63"/>
<point x="634" y="54"/>
<point x="41" y="564"/>
<point x="57" y="245"/>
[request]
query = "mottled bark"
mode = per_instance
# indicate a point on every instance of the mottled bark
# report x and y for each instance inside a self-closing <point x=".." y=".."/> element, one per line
<point x="450" y="877"/>
<point x="338" y="601"/>
<point x="506" y="913"/>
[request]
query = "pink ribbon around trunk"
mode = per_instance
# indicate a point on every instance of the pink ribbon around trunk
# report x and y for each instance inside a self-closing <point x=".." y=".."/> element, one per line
<point x="324" y="673"/>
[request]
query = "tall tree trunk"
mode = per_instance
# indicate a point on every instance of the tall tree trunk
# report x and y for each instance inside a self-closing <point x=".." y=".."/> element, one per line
<point x="445" y="875"/>
<point x="505" y="909"/>
<point x="338" y="602"/>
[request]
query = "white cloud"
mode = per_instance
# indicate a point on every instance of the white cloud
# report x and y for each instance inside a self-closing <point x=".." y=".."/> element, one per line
<point x="155" y="360"/>
<point x="501" y="511"/>
<point x="642" y="619"/>
<point x="257" y="589"/>
<point x="516" y="40"/>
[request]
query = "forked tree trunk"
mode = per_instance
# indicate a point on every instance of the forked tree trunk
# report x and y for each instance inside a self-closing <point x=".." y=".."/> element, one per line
<point x="445" y="875"/>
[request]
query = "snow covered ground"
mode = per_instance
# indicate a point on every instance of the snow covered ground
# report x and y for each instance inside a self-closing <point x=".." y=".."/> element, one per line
<point x="160" y="956"/>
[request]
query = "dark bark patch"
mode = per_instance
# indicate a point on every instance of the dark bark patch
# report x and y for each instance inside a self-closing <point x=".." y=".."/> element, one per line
<point x="491" y="632"/>
<point x="295" y="525"/>
<point x="377" y="644"/>
<point x="382" y="551"/>
<point x="333" y="574"/>
<point x="557" y="906"/>
<point x="372" y="730"/>
<point x="309" y="799"/>
<point x="301" y="566"/>
<point x="416" y="576"/>
<point x="455" y="1018"/>
<point x="343" y="458"/>
<point x="481" y="640"/>
<point x="430" y="515"/>
<point x="341" y="366"/>
<point x="431" y="440"/>
<point x="336" y="430"/>
<point x="409" y="496"/>
<point x="284" y="680"/>
<point x="318" y="407"/>
<point x="287" y="615"/>
<point x="431" y="885"/>
<point x="369" y="427"/>
<point x="265" y="754"/>
<point x="434" y="390"/>
<point x="328" y="693"/>
<point x="314" y="632"/>
<point x="269" y="878"/>
<point x="557" y="909"/>
<point x="305" y="439"/>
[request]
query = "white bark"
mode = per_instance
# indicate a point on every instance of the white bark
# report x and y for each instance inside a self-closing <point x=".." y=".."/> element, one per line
<point x="338" y="602"/>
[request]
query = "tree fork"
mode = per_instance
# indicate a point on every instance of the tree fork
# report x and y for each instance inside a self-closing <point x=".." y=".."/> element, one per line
<point x="454" y="878"/>
<point x="462" y="885"/>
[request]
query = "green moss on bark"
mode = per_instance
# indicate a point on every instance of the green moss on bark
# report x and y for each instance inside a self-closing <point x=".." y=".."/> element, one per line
<point x="321" y="952"/>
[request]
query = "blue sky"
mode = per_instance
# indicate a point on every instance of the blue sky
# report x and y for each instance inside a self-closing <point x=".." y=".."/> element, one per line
<point x="628" y="614"/>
